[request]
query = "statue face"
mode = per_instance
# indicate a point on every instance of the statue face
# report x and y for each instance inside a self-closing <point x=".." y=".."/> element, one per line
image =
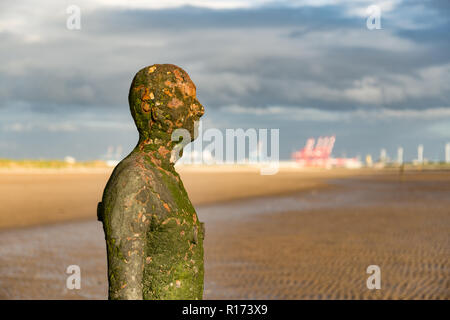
<point x="196" y="111"/>
<point x="163" y="98"/>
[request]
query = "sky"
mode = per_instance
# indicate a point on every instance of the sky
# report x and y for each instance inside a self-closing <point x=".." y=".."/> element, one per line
<point x="308" y="68"/>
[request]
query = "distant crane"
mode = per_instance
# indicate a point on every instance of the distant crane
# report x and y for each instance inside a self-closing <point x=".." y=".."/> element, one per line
<point x="420" y="154"/>
<point x="383" y="156"/>
<point x="400" y="155"/>
<point x="319" y="155"/>
<point x="447" y="153"/>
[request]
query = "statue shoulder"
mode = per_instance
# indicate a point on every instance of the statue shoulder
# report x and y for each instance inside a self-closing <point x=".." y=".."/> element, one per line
<point x="127" y="176"/>
<point x="122" y="192"/>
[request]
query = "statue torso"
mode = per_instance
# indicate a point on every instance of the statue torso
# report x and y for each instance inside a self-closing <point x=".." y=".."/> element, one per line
<point x="158" y="212"/>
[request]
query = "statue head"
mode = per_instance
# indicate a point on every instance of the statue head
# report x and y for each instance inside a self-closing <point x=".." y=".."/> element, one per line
<point x="162" y="98"/>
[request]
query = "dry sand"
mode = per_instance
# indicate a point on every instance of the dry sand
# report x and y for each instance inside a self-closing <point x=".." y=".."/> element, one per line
<point x="315" y="243"/>
<point x="35" y="197"/>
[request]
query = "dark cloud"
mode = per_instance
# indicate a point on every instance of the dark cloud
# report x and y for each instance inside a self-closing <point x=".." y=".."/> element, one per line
<point x="198" y="18"/>
<point x="321" y="58"/>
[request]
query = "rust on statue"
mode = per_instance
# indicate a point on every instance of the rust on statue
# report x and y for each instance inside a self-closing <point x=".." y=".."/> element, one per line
<point x="153" y="237"/>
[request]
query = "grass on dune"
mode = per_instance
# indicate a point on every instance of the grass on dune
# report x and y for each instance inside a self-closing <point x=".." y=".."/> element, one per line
<point x="30" y="163"/>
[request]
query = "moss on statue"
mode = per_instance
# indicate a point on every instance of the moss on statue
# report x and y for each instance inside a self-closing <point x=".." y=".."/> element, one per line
<point x="153" y="236"/>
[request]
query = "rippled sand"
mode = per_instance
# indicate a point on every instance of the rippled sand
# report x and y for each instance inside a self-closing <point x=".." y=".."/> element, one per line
<point x="314" y="244"/>
<point x="322" y="252"/>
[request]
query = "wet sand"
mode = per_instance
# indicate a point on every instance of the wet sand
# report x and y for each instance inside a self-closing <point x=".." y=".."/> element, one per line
<point x="312" y="244"/>
<point x="322" y="250"/>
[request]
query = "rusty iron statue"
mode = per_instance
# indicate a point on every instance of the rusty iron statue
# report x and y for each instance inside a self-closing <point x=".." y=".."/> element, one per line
<point x="153" y="236"/>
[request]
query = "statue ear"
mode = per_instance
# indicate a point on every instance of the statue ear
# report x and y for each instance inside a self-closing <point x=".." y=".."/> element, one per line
<point x="145" y="107"/>
<point x="156" y="114"/>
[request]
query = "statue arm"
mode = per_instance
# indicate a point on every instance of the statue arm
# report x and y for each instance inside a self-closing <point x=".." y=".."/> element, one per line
<point x="125" y="229"/>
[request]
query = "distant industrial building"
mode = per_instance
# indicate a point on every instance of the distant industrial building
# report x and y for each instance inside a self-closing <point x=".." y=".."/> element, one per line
<point x="318" y="154"/>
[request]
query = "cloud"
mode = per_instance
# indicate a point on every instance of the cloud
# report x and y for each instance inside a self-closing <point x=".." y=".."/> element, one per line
<point x="25" y="127"/>
<point x="72" y="126"/>
<point x="296" y="113"/>
<point x="288" y="113"/>
<point x="441" y="129"/>
<point x="256" y="57"/>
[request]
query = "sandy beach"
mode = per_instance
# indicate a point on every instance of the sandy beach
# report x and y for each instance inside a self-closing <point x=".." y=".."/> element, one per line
<point x="296" y="235"/>
<point x="42" y="196"/>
